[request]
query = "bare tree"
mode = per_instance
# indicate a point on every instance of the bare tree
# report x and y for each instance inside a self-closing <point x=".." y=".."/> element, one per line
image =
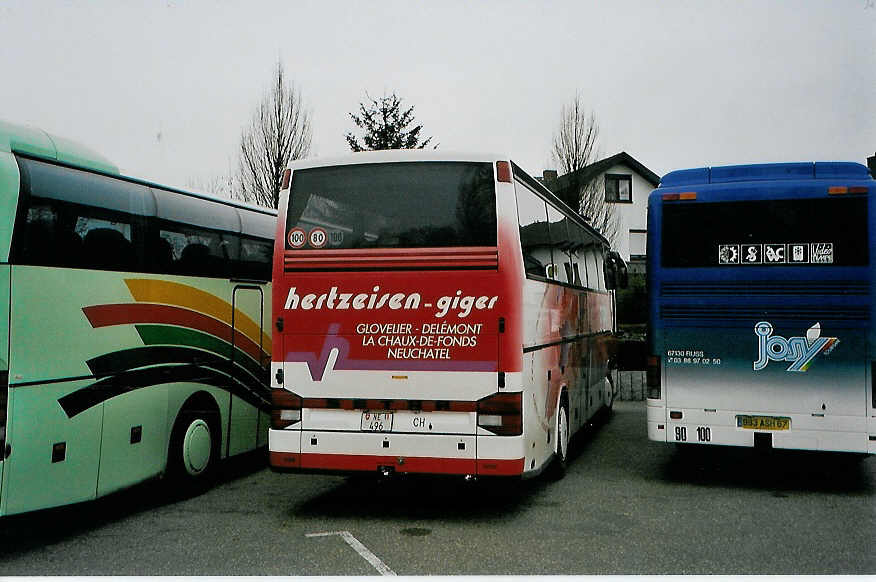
<point x="575" y="148"/>
<point x="278" y="133"/>
<point x="221" y="185"/>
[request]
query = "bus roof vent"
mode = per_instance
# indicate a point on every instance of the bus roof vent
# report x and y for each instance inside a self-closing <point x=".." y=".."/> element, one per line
<point x="756" y="172"/>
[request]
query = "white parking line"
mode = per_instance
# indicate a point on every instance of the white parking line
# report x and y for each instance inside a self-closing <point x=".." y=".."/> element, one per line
<point x="360" y="549"/>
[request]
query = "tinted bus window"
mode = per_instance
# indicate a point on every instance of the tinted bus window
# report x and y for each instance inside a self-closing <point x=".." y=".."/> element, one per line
<point x="535" y="239"/>
<point x="395" y="205"/>
<point x="559" y="244"/>
<point x="255" y="259"/>
<point x="191" y="250"/>
<point x="71" y="218"/>
<point x="801" y="232"/>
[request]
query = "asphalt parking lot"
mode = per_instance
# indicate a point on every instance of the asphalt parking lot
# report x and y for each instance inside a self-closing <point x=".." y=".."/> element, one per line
<point x="626" y="506"/>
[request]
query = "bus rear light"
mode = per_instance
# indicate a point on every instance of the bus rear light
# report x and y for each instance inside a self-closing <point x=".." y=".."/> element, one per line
<point x="503" y="172"/>
<point x="490" y="420"/>
<point x="675" y="414"/>
<point x="290" y="415"/>
<point x="287" y="174"/>
<point x="680" y="196"/>
<point x="502" y="413"/>
<point x="653" y="377"/>
<point x="834" y="190"/>
<point x="285" y="408"/>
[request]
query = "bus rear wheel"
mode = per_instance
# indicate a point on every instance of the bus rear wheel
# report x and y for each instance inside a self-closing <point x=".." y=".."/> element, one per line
<point x="561" y="455"/>
<point x="194" y="447"/>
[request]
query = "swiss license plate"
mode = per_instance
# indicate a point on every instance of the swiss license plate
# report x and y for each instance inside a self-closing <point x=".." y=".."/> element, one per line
<point x="763" y="422"/>
<point x="376" y="421"/>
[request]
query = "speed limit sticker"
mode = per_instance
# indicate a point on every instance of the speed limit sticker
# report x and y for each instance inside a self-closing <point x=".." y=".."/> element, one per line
<point x="317" y="238"/>
<point x="297" y="237"/>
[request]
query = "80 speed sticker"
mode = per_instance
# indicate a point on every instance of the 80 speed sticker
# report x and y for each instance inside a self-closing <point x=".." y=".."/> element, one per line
<point x="317" y="238"/>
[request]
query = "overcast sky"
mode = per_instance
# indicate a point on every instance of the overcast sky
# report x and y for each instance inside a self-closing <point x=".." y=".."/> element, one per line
<point x="163" y="88"/>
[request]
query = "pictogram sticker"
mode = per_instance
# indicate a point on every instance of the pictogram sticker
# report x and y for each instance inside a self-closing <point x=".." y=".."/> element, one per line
<point x="773" y="253"/>
<point x="821" y="253"/>
<point x="752" y="254"/>
<point x="798" y="253"/>
<point x="728" y="254"/>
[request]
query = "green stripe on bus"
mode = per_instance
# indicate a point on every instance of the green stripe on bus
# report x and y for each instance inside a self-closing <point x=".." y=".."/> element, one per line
<point x="180" y="336"/>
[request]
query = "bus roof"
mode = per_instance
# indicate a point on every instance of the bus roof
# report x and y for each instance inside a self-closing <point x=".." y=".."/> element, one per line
<point x="386" y="156"/>
<point x="757" y="172"/>
<point x="37" y="143"/>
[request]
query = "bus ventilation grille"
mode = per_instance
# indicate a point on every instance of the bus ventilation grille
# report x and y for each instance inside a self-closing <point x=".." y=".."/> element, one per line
<point x="723" y="312"/>
<point x="843" y="288"/>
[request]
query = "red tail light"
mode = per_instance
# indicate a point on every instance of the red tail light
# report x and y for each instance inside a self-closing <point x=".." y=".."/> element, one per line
<point x="653" y="377"/>
<point x="502" y="413"/>
<point x="284" y="184"/>
<point x="503" y="171"/>
<point x="285" y="408"/>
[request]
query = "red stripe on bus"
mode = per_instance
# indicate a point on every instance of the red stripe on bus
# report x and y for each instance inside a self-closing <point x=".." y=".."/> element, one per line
<point x="391" y="404"/>
<point x="130" y="313"/>
<point x="430" y="465"/>
<point x="392" y="258"/>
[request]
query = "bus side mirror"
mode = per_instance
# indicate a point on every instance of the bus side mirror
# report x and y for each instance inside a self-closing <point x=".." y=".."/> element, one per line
<point x="623" y="275"/>
<point x="616" y="273"/>
<point x="610" y="272"/>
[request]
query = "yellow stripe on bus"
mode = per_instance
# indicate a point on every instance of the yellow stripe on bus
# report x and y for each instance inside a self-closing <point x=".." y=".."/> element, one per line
<point x="170" y="293"/>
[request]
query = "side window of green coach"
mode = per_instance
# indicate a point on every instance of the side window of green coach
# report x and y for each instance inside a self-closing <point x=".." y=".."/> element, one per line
<point x="193" y="237"/>
<point x="71" y="218"/>
<point x="187" y="250"/>
<point x="255" y="259"/>
<point x="256" y="246"/>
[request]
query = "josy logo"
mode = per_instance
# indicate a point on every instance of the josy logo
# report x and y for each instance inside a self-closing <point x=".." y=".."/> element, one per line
<point x="799" y="350"/>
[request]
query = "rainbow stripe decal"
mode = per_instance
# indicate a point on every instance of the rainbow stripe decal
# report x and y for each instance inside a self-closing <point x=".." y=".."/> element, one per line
<point x="188" y="335"/>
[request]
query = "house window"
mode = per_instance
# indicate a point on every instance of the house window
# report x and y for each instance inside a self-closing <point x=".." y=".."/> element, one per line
<point x="618" y="188"/>
<point x="638" y="240"/>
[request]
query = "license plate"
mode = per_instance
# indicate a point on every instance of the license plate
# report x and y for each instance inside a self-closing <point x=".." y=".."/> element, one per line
<point x="376" y="421"/>
<point x="763" y="422"/>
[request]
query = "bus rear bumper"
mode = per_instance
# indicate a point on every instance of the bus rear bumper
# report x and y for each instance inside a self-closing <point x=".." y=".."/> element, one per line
<point x="351" y="452"/>
<point x="806" y="431"/>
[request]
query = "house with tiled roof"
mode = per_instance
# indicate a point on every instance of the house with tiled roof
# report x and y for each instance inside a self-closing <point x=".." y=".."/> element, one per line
<point x="627" y="185"/>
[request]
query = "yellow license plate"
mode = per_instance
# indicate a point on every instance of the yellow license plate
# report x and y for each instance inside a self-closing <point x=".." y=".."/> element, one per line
<point x="763" y="422"/>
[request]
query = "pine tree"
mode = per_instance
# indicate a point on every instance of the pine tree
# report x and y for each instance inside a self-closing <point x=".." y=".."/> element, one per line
<point x="385" y="126"/>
